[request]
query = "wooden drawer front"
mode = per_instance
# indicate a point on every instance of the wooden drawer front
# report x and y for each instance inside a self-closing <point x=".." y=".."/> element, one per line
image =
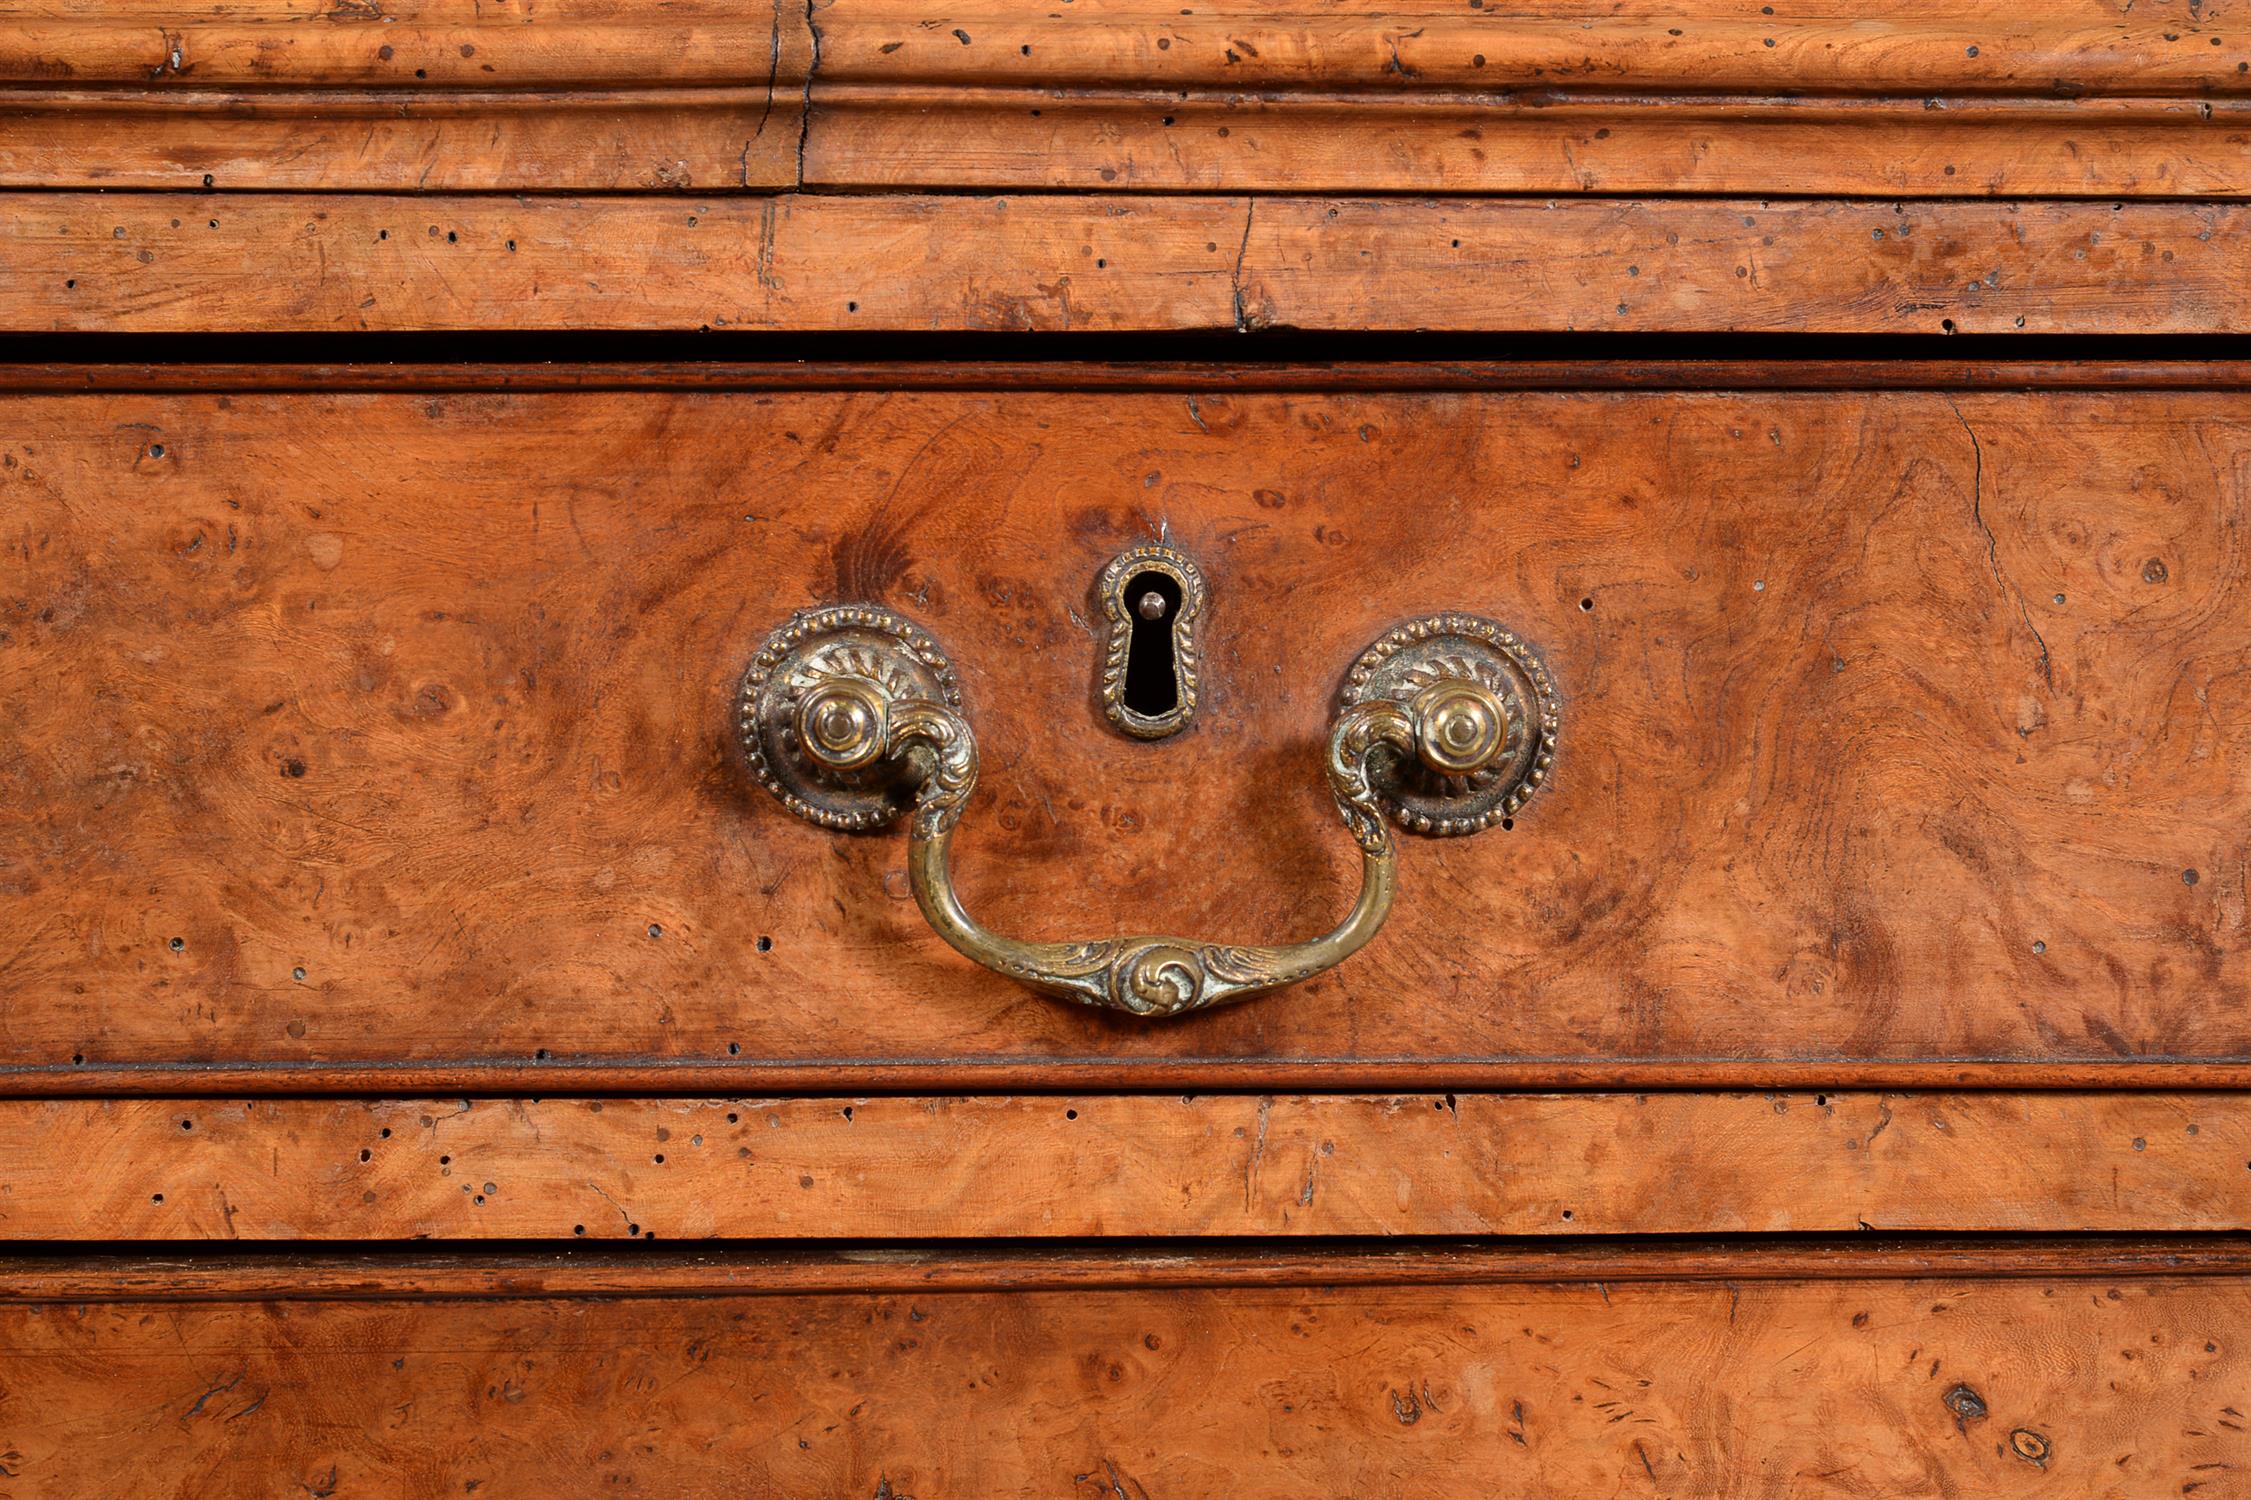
<point x="2039" y="1374"/>
<point x="576" y="1170"/>
<point x="171" y="263"/>
<point x="1902" y="730"/>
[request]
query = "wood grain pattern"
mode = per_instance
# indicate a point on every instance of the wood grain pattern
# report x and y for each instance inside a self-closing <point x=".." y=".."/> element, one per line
<point x="1114" y="1068"/>
<point x="2059" y="47"/>
<point x="1138" y="1165"/>
<point x="1900" y="727"/>
<point x="871" y="136"/>
<point x="157" y="263"/>
<point x="655" y="140"/>
<point x="2089" y="99"/>
<point x="862" y="137"/>
<point x="1898" y="1388"/>
<point x="425" y="95"/>
<point x="403" y="44"/>
<point x="1813" y="267"/>
<point x="303" y="1273"/>
<point x="165" y="262"/>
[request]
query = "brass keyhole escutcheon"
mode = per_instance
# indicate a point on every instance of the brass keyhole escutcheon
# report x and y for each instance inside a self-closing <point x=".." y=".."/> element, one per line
<point x="1153" y="599"/>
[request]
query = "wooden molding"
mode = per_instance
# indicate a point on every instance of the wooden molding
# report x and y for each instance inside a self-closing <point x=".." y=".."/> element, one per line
<point x="1088" y="1166"/>
<point x="853" y="1075"/>
<point x="426" y="95"/>
<point x="404" y="45"/>
<point x="1591" y="374"/>
<point x="900" y="137"/>
<point x="650" y="140"/>
<point x="238" y="1273"/>
<point x="754" y="134"/>
<point x="1717" y="1386"/>
<point x="2064" y="48"/>
<point x="2088" y="99"/>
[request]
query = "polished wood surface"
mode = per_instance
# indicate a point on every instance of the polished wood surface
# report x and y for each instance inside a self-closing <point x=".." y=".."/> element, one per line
<point x="1742" y="266"/>
<point x="2122" y="1386"/>
<point x="297" y="1273"/>
<point x="403" y="45"/>
<point x="1108" y="263"/>
<point x="708" y="139"/>
<point x="1134" y="1165"/>
<point x="425" y="95"/>
<point x="2056" y="48"/>
<point x="2093" y="100"/>
<point x="720" y="138"/>
<point x="1975" y="146"/>
<point x="1834" y="1082"/>
<point x="1900" y="728"/>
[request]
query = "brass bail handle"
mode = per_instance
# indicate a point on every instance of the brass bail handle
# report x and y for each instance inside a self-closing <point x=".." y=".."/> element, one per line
<point x="851" y="716"/>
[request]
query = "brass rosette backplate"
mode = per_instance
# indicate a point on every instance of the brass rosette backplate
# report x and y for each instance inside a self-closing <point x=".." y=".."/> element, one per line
<point x="1414" y="664"/>
<point x="814" y="675"/>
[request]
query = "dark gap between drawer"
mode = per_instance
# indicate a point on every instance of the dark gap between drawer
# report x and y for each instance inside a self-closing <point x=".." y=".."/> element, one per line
<point x="1266" y="347"/>
<point x="228" y="1270"/>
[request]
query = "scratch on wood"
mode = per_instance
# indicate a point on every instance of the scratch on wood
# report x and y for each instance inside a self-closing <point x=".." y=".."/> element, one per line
<point x="767" y="226"/>
<point x="220" y="1389"/>
<point x="1992" y="543"/>
<point x="1883" y="1122"/>
<point x="812" y="69"/>
<point x="1258" y="1153"/>
<point x="773" y="72"/>
<point x="603" y="1194"/>
<point x="1250" y="209"/>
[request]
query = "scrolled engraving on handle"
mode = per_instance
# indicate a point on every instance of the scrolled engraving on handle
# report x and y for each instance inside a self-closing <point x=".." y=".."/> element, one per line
<point x="944" y="792"/>
<point x="865" y="734"/>
<point x="1359" y="731"/>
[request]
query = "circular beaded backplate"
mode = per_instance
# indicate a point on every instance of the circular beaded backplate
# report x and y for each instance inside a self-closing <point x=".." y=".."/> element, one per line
<point x="1422" y="652"/>
<point x="862" y="641"/>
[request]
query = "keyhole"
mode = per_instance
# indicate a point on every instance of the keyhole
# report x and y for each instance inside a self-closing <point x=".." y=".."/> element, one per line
<point x="1153" y="600"/>
<point x="1151" y="687"/>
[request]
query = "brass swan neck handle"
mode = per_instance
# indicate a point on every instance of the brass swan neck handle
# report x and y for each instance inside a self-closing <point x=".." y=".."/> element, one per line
<point x="1149" y="975"/>
<point x="851" y="716"/>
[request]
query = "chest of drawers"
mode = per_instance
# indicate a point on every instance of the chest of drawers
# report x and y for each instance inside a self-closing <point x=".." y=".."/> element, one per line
<point x="1134" y="751"/>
